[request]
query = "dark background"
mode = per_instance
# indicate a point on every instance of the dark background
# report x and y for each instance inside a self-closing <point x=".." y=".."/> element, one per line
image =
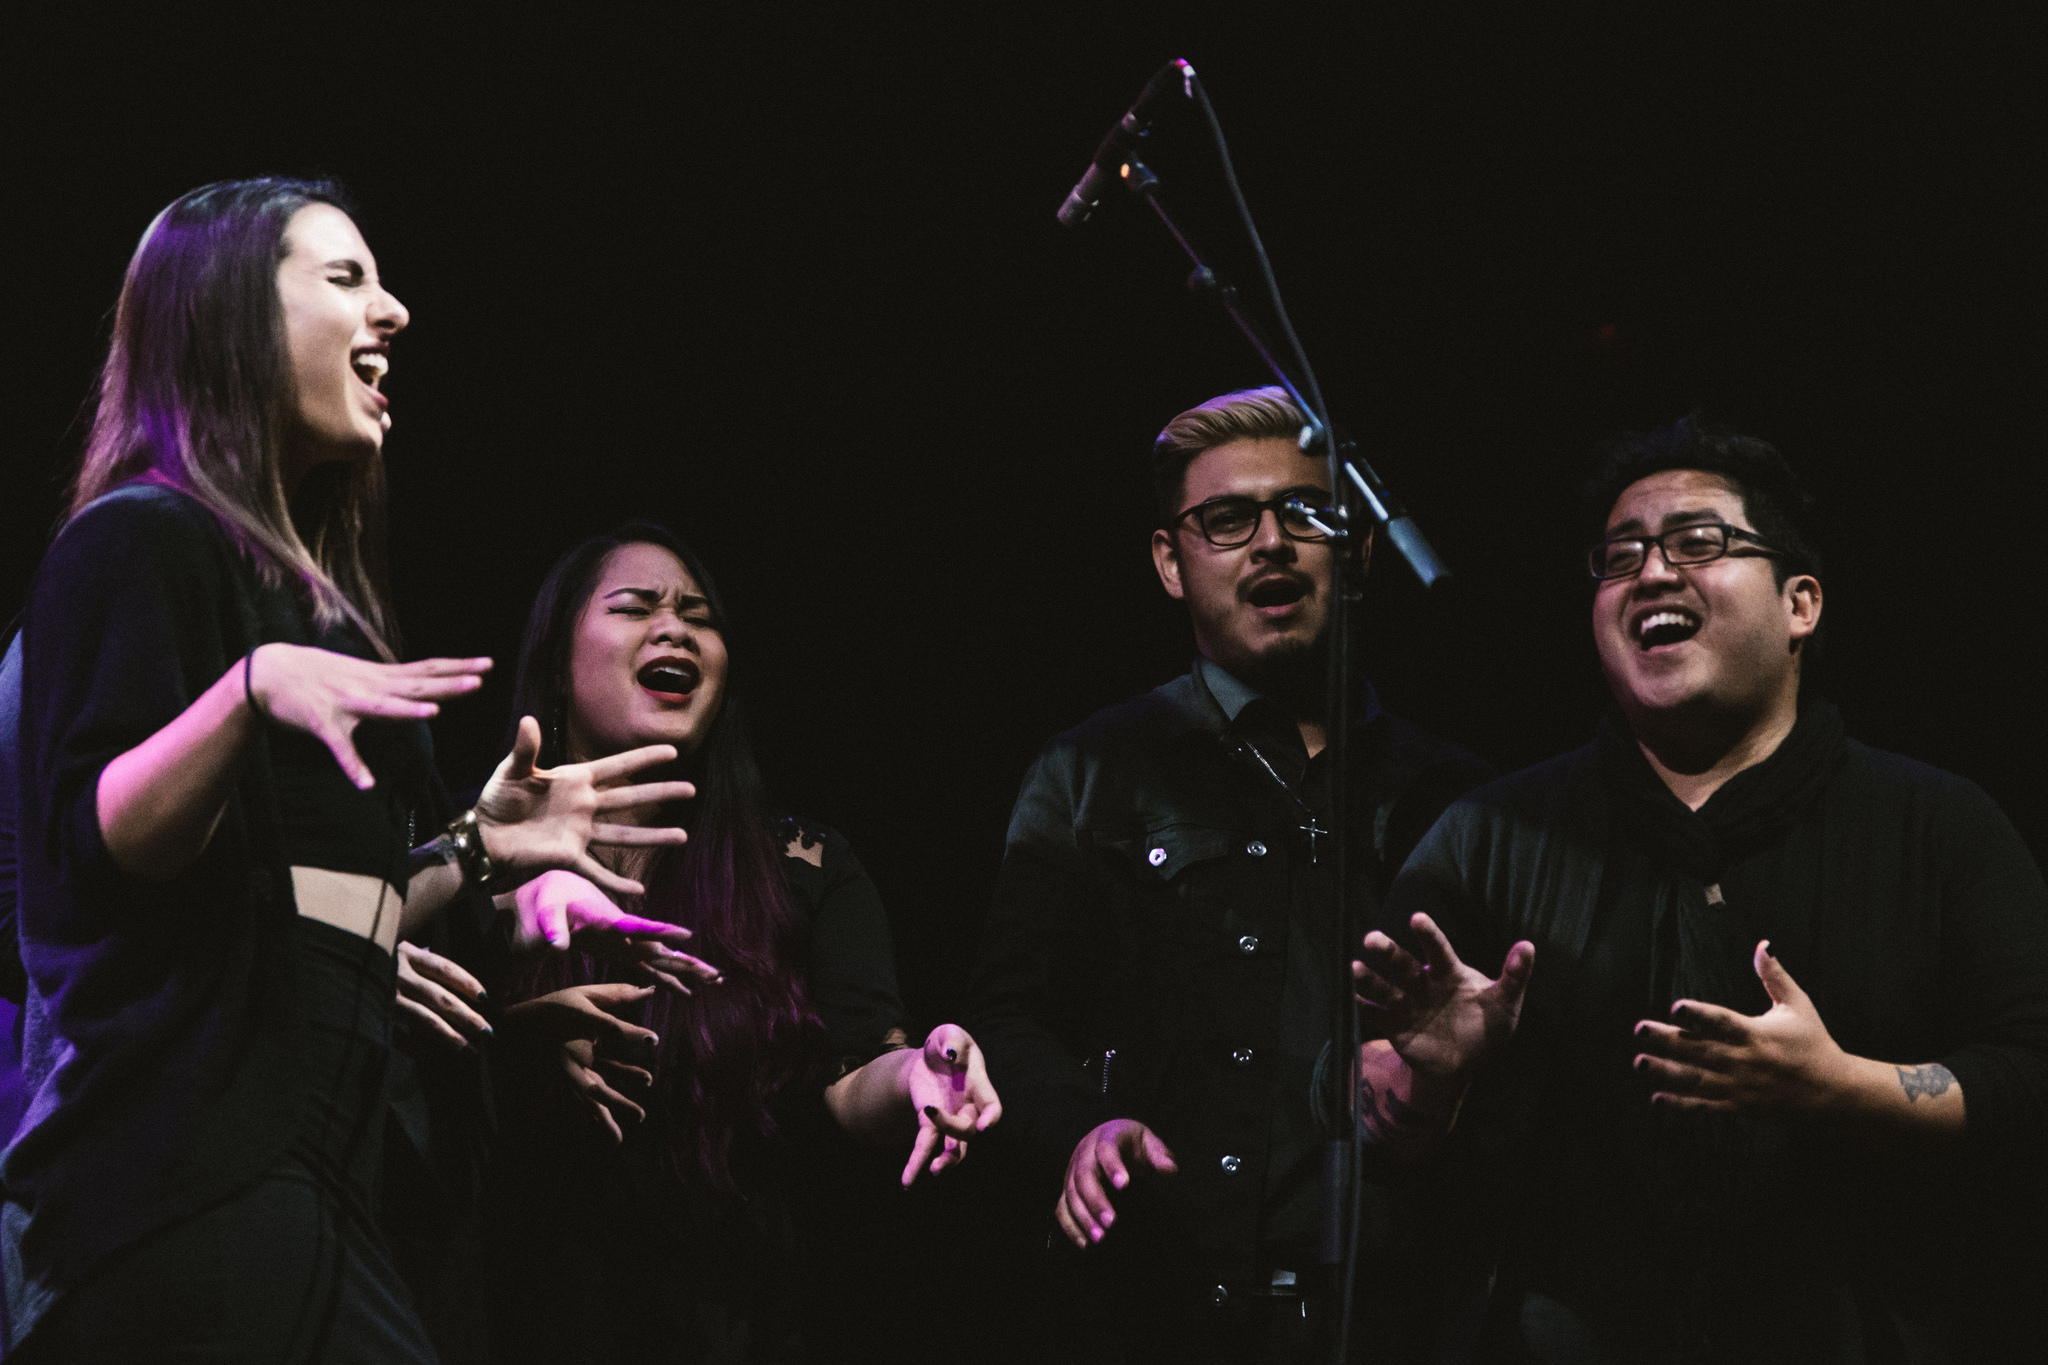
<point x="793" y="285"/>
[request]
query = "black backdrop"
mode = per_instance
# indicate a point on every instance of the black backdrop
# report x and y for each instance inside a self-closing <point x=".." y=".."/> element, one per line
<point x="793" y="285"/>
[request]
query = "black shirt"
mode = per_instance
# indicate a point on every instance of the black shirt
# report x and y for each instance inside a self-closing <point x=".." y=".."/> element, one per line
<point x="1155" y="948"/>
<point x="163" y="1018"/>
<point x="1902" y="902"/>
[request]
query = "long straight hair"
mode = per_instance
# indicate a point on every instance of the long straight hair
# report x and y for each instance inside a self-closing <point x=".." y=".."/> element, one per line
<point x="726" y="1051"/>
<point x="197" y="394"/>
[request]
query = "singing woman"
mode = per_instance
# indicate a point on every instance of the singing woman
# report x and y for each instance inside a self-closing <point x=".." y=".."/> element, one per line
<point x="643" y="1209"/>
<point x="222" y="767"/>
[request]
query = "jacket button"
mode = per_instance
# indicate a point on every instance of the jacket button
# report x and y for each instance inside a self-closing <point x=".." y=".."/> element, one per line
<point x="1256" y="848"/>
<point x="1248" y="945"/>
<point x="1243" y="1056"/>
<point x="1232" y="1164"/>
<point x="1219" y="1296"/>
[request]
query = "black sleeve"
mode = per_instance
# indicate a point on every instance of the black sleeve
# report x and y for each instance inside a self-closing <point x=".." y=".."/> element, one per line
<point x="1994" y="974"/>
<point x="1035" y="963"/>
<point x="124" y="632"/>
<point x="851" y="973"/>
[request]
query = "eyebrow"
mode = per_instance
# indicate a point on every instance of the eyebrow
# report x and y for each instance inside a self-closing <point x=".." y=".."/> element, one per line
<point x="651" y="596"/>
<point x="1682" y="518"/>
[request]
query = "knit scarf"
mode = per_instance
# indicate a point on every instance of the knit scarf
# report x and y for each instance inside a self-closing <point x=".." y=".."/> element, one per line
<point x="1702" y="1170"/>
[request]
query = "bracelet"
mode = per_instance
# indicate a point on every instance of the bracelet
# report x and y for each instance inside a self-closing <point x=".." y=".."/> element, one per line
<point x="470" y="852"/>
<point x="249" y="688"/>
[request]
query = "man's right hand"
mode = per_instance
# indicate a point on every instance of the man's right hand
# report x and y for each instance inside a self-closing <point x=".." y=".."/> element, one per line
<point x="1442" y="1017"/>
<point x="1103" y="1159"/>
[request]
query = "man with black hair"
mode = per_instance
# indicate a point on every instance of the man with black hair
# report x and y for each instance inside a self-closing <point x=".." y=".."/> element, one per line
<point x="1787" y="995"/>
<point x="1154" y="994"/>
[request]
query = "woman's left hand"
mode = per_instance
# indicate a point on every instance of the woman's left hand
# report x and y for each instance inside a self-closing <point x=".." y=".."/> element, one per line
<point x="951" y="1095"/>
<point x="534" y="818"/>
<point x="431" y="996"/>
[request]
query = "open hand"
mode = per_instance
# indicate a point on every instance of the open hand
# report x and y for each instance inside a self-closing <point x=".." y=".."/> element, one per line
<point x="1106" y="1157"/>
<point x="1442" y="1017"/>
<point x="328" y="695"/>
<point x="576" y="1025"/>
<point x="1715" y="1058"/>
<point x="950" y="1090"/>
<point x="533" y="818"/>
<point x="435" y="995"/>
<point x="558" y="907"/>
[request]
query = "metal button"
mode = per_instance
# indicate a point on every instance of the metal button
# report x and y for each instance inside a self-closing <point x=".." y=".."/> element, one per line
<point x="1243" y="1056"/>
<point x="1256" y="848"/>
<point x="1156" y="856"/>
<point x="1232" y="1164"/>
<point x="1219" y="1296"/>
<point x="1248" y="945"/>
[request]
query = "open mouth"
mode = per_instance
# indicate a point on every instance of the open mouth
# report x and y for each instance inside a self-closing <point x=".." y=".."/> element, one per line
<point x="1667" y="627"/>
<point x="1277" y="592"/>
<point x="370" y="366"/>
<point x="670" y="677"/>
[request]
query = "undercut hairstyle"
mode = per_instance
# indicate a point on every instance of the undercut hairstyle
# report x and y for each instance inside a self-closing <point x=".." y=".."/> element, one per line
<point x="726" y="1054"/>
<point x="1778" y="507"/>
<point x="197" y="394"/>
<point x="1245" y="414"/>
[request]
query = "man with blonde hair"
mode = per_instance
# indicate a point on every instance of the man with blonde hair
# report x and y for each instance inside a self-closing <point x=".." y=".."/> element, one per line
<point x="1154" y="989"/>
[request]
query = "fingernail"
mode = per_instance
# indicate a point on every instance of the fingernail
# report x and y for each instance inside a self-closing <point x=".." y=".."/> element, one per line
<point x="931" y="1111"/>
<point x="1108" y="1217"/>
<point x="1640" y="1063"/>
<point x="1095" y="1234"/>
<point x="485" y="1029"/>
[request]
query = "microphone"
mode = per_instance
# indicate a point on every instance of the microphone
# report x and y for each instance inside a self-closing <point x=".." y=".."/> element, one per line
<point x="1102" y="171"/>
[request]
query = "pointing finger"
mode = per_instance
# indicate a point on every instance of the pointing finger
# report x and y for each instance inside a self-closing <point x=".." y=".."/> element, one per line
<point x="645" y="794"/>
<point x="617" y="766"/>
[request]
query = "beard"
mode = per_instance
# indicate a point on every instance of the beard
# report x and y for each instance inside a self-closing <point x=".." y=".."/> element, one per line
<point x="1294" y="673"/>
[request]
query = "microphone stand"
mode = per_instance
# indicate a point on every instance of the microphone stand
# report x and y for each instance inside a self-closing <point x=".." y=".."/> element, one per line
<point x="1357" y="492"/>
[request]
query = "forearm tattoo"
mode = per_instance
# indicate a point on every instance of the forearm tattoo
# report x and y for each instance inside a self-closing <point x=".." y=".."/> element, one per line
<point x="1931" y="1079"/>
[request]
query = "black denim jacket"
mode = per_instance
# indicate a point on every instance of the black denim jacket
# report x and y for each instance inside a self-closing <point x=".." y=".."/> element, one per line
<point x="1156" y="929"/>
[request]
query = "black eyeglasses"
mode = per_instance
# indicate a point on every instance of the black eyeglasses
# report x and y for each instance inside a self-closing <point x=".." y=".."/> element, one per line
<point x="1624" y="556"/>
<point x="1228" y="523"/>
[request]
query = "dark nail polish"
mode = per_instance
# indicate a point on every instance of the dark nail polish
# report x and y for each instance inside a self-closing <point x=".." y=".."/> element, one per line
<point x="931" y="1111"/>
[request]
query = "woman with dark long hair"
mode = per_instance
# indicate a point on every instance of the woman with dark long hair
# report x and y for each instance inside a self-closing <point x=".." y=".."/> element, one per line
<point x="222" y="764"/>
<point x="643" y="1210"/>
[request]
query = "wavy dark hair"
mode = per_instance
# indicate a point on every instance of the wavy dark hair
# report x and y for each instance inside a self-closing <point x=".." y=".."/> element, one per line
<point x="196" y="393"/>
<point x="727" y="1051"/>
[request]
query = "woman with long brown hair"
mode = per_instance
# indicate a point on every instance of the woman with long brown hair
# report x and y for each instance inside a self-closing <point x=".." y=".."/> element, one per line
<point x="222" y="765"/>
<point x="644" y="1211"/>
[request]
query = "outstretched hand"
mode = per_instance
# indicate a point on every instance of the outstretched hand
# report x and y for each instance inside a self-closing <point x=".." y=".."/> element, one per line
<point x="1715" y="1058"/>
<point x="436" y="996"/>
<point x="950" y="1091"/>
<point x="1442" y="1017"/>
<point x="533" y="818"/>
<point x="576" y="1024"/>
<point x="559" y="907"/>
<point x="328" y="695"/>
<point x="1107" y="1156"/>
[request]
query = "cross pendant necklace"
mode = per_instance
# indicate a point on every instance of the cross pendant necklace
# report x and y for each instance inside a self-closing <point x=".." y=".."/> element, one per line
<point x="1313" y="827"/>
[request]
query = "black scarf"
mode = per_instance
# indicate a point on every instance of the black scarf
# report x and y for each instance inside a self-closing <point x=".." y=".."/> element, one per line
<point x="1701" y="1167"/>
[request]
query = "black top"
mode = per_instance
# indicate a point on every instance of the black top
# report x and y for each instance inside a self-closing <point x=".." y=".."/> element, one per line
<point x="163" y="1018"/>
<point x="328" y="822"/>
<point x="603" y="1254"/>
<point x="1896" y="895"/>
<point x="1157" y="948"/>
